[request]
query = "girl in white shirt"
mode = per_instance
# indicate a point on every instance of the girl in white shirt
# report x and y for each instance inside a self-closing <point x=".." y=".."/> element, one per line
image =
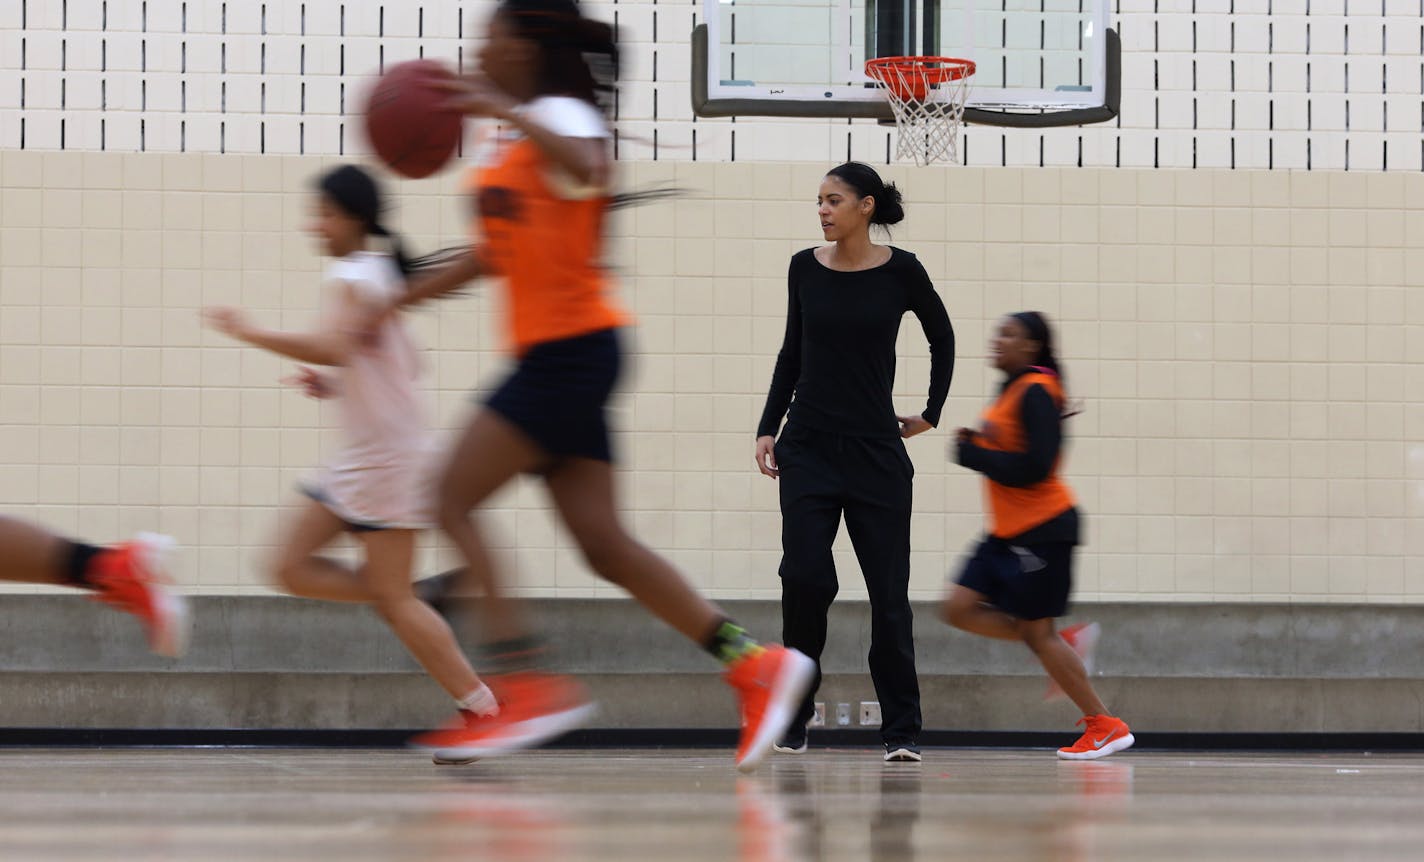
<point x="379" y="486"/>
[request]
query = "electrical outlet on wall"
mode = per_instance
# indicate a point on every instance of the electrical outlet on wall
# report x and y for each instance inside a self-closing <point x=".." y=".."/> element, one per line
<point x="818" y="718"/>
<point x="870" y="712"/>
<point x="842" y="715"/>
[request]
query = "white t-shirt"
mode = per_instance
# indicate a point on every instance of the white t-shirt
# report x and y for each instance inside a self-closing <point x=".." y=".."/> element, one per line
<point x="374" y="276"/>
<point x="381" y="475"/>
<point x="568" y="117"/>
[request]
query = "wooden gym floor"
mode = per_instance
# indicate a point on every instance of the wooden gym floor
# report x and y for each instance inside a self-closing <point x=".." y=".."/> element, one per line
<point x="996" y="806"/>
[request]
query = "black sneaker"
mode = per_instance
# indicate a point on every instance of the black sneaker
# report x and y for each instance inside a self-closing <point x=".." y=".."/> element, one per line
<point x="794" y="742"/>
<point x="902" y="752"/>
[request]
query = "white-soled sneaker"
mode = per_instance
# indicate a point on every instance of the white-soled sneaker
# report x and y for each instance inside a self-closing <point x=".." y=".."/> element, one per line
<point x="902" y="752"/>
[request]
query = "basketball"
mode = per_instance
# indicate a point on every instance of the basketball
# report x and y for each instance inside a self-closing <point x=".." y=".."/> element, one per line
<point x="405" y="122"/>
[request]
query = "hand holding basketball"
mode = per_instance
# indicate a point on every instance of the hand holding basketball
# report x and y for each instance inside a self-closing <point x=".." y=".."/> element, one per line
<point x="476" y="96"/>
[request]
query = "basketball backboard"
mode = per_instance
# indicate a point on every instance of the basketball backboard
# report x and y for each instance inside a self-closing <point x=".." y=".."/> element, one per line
<point x="1040" y="62"/>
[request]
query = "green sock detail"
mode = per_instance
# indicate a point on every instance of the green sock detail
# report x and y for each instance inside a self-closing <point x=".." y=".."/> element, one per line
<point x="731" y="643"/>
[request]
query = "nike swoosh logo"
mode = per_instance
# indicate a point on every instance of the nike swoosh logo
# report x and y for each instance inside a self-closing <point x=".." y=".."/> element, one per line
<point x="1099" y="743"/>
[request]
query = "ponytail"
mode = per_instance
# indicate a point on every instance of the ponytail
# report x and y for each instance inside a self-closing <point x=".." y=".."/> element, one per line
<point x="645" y="195"/>
<point x="1036" y="324"/>
<point x="397" y="248"/>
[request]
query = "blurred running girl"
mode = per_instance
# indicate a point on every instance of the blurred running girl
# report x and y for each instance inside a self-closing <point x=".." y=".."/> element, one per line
<point x="1019" y="578"/>
<point x="379" y="488"/>
<point x="546" y="74"/>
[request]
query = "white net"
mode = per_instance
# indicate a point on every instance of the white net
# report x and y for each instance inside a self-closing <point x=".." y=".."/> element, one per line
<point x="927" y="96"/>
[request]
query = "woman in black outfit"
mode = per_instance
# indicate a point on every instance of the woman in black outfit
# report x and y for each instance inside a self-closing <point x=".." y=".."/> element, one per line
<point x="841" y="451"/>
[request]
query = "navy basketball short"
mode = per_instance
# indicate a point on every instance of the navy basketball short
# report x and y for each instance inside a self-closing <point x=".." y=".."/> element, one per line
<point x="1030" y="582"/>
<point x="558" y="394"/>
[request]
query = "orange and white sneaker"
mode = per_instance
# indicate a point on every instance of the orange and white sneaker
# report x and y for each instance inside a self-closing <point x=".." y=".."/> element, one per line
<point x="1083" y="638"/>
<point x="1105" y="735"/>
<point x="533" y="709"/>
<point x="447" y="739"/>
<point x="770" y="683"/>
<point x="131" y="578"/>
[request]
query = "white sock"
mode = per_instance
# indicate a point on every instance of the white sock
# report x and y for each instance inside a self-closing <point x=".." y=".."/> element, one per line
<point x="480" y="701"/>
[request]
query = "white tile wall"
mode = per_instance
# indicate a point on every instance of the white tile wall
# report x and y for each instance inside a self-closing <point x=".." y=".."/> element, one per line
<point x="1231" y="86"/>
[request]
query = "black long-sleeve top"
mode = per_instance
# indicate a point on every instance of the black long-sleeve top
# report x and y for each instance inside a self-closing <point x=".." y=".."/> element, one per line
<point x="1043" y="426"/>
<point x="838" y="357"/>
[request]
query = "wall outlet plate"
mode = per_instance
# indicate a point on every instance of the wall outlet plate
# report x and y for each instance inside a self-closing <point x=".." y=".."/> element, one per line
<point x="818" y="718"/>
<point x="843" y="715"/>
<point x="870" y="712"/>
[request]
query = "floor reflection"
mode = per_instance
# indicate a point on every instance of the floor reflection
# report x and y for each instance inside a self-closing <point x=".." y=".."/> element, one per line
<point x="803" y="812"/>
<point x="692" y="806"/>
<point x="500" y="820"/>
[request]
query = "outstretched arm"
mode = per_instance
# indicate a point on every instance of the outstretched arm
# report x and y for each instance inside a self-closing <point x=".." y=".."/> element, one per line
<point x="328" y="346"/>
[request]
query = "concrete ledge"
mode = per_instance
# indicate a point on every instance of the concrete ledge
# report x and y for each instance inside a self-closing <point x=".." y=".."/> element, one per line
<point x="399" y="701"/>
<point x="270" y="662"/>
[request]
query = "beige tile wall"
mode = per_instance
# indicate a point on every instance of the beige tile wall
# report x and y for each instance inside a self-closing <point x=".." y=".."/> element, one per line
<point x="1245" y="344"/>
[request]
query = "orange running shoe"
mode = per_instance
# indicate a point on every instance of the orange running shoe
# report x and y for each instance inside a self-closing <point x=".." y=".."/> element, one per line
<point x="770" y="683"/>
<point x="1105" y="735"/>
<point x="1083" y="638"/>
<point x="446" y="739"/>
<point x="533" y="709"/>
<point x="130" y="577"/>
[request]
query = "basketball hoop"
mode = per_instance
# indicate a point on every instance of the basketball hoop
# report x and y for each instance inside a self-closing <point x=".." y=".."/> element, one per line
<point x="927" y="95"/>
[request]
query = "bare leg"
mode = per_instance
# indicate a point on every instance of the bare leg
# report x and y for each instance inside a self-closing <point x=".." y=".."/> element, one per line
<point x="491" y="452"/>
<point x="1061" y="663"/>
<point x="300" y="572"/>
<point x="582" y="489"/>
<point x="33" y="555"/>
<point x="969" y="610"/>
<point x="390" y="555"/>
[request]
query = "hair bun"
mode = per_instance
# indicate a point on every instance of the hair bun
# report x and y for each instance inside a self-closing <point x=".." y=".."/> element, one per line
<point x="889" y="208"/>
<point x="868" y="184"/>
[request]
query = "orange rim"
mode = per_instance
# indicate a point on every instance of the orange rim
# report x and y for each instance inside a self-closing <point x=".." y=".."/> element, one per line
<point x="911" y="77"/>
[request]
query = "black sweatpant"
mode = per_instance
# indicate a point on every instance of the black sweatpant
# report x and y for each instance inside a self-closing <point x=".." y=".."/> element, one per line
<point x="868" y="480"/>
